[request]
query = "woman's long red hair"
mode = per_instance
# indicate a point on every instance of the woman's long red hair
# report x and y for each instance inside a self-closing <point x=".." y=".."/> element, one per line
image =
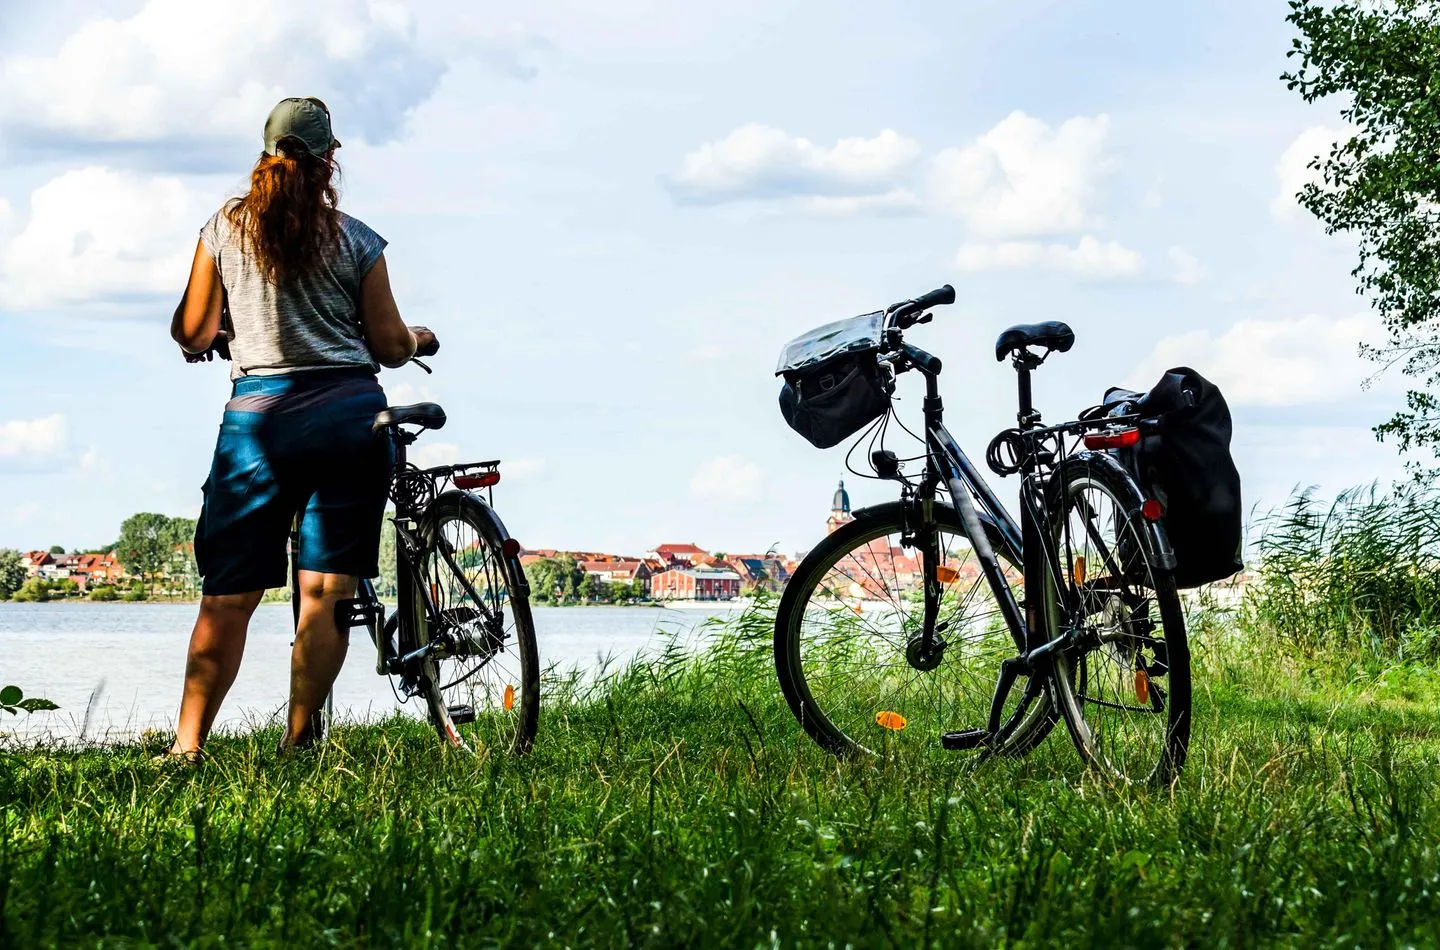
<point x="288" y="217"/>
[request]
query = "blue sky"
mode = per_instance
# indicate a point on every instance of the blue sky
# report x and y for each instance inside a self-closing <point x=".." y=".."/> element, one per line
<point x="614" y="215"/>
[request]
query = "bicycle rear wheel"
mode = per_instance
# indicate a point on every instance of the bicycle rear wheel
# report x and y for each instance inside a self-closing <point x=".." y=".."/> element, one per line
<point x="1124" y="690"/>
<point x="846" y="632"/>
<point x="481" y="681"/>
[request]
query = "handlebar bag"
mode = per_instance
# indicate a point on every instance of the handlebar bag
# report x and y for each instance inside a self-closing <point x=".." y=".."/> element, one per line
<point x="834" y="385"/>
<point x="1183" y="461"/>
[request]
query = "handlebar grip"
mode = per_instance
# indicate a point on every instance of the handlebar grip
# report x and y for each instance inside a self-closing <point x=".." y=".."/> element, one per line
<point x="935" y="298"/>
<point x="920" y="359"/>
<point x="429" y="349"/>
<point x="901" y="313"/>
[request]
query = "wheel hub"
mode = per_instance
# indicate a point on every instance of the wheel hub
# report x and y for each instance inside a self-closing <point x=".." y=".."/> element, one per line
<point x="922" y="659"/>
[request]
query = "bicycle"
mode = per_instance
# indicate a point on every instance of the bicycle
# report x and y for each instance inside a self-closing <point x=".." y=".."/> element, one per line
<point x="462" y="636"/>
<point x="927" y="613"/>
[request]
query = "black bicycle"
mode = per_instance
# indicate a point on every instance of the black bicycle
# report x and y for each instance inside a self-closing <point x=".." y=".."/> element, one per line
<point x="461" y="637"/>
<point x="939" y="618"/>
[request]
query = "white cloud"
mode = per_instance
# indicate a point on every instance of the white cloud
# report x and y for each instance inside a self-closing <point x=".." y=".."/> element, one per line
<point x="179" y="73"/>
<point x="1090" y="257"/>
<point x="1311" y="359"/>
<point x="1023" y="178"/>
<point x="34" y="442"/>
<point x="759" y="162"/>
<point x="726" y="478"/>
<point x="896" y="201"/>
<point x="100" y="234"/>
<point x="521" y="467"/>
<point x="1187" y="268"/>
<point x="407" y="393"/>
<point x="1292" y="171"/>
<point x="430" y="454"/>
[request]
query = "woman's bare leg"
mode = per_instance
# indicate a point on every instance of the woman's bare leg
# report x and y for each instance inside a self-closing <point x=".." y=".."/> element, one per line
<point x="216" y="646"/>
<point x="319" y="652"/>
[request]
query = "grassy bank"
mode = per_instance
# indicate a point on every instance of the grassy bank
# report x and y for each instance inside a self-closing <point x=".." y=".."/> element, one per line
<point x="680" y="806"/>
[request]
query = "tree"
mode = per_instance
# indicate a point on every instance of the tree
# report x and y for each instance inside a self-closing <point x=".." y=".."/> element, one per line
<point x="554" y="579"/>
<point x="146" y="545"/>
<point x="12" y="572"/>
<point x="34" y="590"/>
<point x="1381" y="60"/>
<point x="57" y="549"/>
<point x="181" y="569"/>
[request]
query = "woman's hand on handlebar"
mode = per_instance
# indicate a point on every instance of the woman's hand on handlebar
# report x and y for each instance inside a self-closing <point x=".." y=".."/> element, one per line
<point x="220" y="346"/>
<point x="425" y="342"/>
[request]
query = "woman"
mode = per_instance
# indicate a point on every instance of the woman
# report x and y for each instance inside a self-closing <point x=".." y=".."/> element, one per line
<point x="310" y="315"/>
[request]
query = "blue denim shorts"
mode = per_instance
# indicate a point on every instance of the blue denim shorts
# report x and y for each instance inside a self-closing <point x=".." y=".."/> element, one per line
<point x="294" y="443"/>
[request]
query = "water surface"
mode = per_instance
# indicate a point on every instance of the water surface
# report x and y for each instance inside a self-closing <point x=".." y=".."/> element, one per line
<point x="125" y="662"/>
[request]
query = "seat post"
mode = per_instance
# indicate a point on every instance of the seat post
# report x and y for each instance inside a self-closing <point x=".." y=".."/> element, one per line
<point x="1024" y="363"/>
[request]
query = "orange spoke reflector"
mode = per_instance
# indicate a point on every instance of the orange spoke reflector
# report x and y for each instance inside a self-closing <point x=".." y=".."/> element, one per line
<point x="1079" y="570"/>
<point x="1142" y="686"/>
<point x="509" y="699"/>
<point x="434" y="593"/>
<point x="891" y="720"/>
<point x="946" y="575"/>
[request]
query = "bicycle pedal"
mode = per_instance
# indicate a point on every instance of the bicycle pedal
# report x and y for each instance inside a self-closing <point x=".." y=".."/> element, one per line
<point x="459" y="715"/>
<point x="969" y="739"/>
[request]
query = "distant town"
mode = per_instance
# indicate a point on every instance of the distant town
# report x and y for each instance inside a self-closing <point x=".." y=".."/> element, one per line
<point x="154" y="557"/>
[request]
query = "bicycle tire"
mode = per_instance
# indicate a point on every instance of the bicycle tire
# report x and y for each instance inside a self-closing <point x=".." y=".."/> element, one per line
<point x="1025" y="727"/>
<point x="1122" y="660"/>
<point x="506" y="707"/>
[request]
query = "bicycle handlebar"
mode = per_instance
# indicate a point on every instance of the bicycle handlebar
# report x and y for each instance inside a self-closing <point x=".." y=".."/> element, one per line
<point x="901" y="312"/>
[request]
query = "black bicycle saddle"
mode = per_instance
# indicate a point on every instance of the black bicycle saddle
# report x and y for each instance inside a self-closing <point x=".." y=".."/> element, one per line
<point x="1053" y="335"/>
<point x="426" y="415"/>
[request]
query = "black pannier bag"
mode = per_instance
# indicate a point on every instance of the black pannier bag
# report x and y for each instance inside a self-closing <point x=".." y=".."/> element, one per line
<point x="834" y="386"/>
<point x="1183" y="461"/>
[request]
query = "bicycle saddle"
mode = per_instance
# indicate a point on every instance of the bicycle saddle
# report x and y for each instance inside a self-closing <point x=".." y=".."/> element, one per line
<point x="426" y="415"/>
<point x="1053" y="336"/>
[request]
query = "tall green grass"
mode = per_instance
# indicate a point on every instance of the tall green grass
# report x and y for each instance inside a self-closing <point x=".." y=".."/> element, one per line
<point x="1360" y="572"/>
<point x="676" y="803"/>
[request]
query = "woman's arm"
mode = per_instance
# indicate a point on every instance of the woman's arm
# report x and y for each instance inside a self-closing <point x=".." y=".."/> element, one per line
<point x="390" y="341"/>
<point x="197" y="318"/>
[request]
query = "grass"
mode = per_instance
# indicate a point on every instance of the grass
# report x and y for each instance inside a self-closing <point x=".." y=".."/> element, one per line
<point x="678" y="804"/>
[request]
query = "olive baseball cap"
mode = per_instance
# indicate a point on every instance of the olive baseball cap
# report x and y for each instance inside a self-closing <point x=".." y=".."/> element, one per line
<point x="305" y="119"/>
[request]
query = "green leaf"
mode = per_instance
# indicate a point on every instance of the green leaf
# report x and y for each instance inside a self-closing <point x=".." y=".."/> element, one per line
<point x="36" y="704"/>
<point x="11" y="695"/>
<point x="1134" y="859"/>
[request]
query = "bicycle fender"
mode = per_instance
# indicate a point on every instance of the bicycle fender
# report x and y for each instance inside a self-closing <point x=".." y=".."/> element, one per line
<point x="514" y="575"/>
<point x="1152" y="533"/>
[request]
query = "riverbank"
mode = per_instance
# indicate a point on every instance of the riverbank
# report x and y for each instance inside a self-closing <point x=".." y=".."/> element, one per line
<point x="676" y="803"/>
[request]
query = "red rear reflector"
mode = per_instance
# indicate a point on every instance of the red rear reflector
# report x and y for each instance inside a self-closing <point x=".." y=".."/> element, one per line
<point x="483" y="480"/>
<point x="511" y="547"/>
<point x="1152" y="510"/>
<point x="1112" y="440"/>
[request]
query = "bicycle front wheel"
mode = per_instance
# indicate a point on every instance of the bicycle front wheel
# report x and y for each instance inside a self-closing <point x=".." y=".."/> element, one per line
<point x="481" y="679"/>
<point x="1124" y="687"/>
<point x="848" y="629"/>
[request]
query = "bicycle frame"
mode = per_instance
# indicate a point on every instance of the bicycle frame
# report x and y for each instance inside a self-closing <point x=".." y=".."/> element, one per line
<point x="1025" y="543"/>
<point x="422" y="614"/>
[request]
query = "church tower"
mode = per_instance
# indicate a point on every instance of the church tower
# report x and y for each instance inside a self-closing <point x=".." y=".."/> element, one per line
<point x="839" y="510"/>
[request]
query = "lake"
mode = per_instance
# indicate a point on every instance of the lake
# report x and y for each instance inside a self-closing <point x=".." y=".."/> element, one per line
<point x="126" y="662"/>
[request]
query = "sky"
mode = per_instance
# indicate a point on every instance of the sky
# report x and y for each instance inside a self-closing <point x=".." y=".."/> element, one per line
<point x="614" y="213"/>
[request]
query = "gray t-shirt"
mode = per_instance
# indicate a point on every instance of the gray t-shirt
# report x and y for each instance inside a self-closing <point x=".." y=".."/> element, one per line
<point x="312" y="322"/>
